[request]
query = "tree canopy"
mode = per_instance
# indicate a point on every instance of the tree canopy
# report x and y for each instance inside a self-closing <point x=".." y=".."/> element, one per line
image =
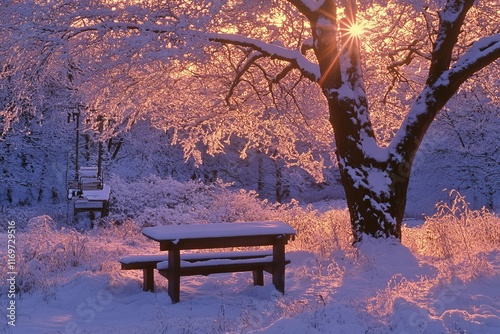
<point x="214" y="69"/>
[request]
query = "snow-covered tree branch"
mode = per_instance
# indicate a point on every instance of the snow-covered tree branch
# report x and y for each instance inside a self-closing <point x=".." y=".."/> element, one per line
<point x="294" y="57"/>
<point x="444" y="78"/>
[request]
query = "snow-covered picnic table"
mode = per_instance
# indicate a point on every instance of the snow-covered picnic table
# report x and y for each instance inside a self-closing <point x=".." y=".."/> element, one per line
<point x="222" y="235"/>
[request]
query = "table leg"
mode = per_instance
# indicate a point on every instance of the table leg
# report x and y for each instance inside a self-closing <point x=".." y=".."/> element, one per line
<point x="279" y="264"/>
<point x="174" y="274"/>
<point x="258" y="277"/>
<point x="148" y="278"/>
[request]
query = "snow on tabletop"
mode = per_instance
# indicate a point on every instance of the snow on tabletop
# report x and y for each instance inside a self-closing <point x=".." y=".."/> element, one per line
<point x="177" y="232"/>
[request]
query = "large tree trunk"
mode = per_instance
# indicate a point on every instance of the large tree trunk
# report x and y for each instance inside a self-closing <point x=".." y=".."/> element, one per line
<point x="375" y="182"/>
<point x="376" y="198"/>
<point x="342" y="86"/>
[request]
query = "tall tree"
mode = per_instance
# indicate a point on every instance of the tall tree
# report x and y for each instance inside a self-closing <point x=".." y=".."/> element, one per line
<point x="376" y="178"/>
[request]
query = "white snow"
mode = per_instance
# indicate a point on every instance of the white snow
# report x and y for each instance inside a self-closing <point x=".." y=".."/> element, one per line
<point x="313" y="5"/>
<point x="381" y="287"/>
<point x="378" y="180"/>
<point x="175" y="232"/>
<point x="101" y="195"/>
<point x="371" y="178"/>
<point x="373" y="150"/>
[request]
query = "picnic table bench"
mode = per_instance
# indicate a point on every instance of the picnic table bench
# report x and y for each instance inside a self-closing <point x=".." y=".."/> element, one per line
<point x="214" y="236"/>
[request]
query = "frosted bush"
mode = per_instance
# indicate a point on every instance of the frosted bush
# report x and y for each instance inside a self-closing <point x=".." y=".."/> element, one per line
<point x="154" y="201"/>
<point x="232" y="206"/>
<point x="458" y="236"/>
<point x="455" y="231"/>
<point x="47" y="252"/>
<point x="318" y="232"/>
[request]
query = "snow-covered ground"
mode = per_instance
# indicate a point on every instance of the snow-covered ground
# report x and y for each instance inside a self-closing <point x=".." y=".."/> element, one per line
<point x="71" y="282"/>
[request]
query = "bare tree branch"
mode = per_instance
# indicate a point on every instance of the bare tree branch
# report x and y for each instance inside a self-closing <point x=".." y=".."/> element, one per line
<point x="283" y="73"/>
<point x="240" y="71"/>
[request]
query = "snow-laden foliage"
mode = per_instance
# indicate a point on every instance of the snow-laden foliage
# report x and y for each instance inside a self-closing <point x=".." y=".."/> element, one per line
<point x="46" y="251"/>
<point x="323" y="231"/>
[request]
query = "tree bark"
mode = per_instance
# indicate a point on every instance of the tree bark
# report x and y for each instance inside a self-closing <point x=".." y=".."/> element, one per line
<point x="375" y="182"/>
<point x="376" y="197"/>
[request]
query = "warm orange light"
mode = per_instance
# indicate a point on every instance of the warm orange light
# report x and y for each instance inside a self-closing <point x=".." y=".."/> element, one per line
<point x="356" y="30"/>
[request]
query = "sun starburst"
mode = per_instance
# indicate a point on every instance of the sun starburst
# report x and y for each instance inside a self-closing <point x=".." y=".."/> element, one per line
<point x="356" y="29"/>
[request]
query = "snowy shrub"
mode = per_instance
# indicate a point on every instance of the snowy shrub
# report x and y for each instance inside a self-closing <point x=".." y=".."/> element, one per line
<point x="47" y="252"/>
<point x="242" y="205"/>
<point x="318" y="232"/>
<point x="125" y="231"/>
<point x="154" y="201"/>
<point x="457" y="235"/>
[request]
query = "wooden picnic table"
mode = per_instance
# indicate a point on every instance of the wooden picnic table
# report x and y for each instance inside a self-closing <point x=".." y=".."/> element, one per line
<point x="175" y="238"/>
